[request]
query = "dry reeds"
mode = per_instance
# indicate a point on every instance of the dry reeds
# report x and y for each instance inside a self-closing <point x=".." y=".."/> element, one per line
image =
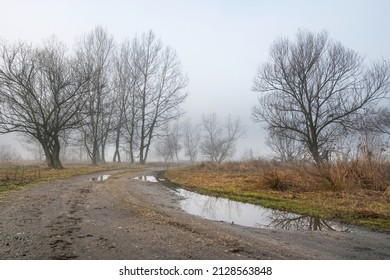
<point x="19" y="173"/>
<point x="340" y="175"/>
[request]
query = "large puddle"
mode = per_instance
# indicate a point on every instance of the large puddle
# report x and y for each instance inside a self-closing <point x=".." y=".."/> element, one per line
<point x="250" y="215"/>
<point x="245" y="214"/>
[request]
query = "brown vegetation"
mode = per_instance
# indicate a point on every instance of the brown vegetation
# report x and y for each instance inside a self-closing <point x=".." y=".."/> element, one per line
<point x="354" y="192"/>
<point x="16" y="176"/>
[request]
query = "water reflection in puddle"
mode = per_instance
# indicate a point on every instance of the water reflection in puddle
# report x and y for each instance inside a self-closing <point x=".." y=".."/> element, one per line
<point x="245" y="214"/>
<point x="250" y="215"/>
<point x="99" y="178"/>
<point x="149" y="178"/>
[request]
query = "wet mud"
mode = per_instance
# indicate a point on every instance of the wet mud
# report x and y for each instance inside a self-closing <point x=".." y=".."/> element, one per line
<point x="123" y="218"/>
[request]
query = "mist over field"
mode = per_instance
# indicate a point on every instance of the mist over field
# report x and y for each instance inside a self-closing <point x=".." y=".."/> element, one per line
<point x="220" y="46"/>
<point x="195" y="130"/>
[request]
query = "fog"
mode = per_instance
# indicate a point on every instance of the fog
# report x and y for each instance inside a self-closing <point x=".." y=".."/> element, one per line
<point x="220" y="43"/>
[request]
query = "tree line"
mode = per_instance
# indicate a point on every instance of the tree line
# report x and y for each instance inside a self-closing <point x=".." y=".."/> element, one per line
<point x="212" y="139"/>
<point x="96" y="94"/>
<point x="314" y="94"/>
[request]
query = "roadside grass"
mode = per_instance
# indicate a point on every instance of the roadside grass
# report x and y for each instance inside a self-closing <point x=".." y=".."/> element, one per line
<point x="301" y="189"/>
<point x="17" y="177"/>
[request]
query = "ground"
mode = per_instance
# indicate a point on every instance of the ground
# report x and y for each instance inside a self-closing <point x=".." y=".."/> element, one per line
<point x="123" y="218"/>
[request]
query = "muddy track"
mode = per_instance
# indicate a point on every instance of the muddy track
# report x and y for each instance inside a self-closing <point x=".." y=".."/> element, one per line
<point x="123" y="218"/>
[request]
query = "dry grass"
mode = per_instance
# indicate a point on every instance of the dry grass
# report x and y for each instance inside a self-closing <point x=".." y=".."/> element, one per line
<point x="19" y="173"/>
<point x="350" y="192"/>
<point x="16" y="177"/>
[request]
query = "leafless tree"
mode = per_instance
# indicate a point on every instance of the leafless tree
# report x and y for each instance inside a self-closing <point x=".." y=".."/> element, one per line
<point x="219" y="139"/>
<point x="120" y="100"/>
<point x="175" y="135"/>
<point x="126" y="100"/>
<point x="286" y="148"/>
<point x="94" y="56"/>
<point x="160" y="86"/>
<point x="41" y="94"/>
<point x="191" y="139"/>
<point x="164" y="149"/>
<point x="8" y="154"/>
<point x="32" y="146"/>
<point x="314" y="89"/>
<point x="168" y="146"/>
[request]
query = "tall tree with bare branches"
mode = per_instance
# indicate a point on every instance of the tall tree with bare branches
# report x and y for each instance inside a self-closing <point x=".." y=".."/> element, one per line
<point x="125" y="101"/>
<point x="159" y="88"/>
<point x="94" y="56"/>
<point x="314" y="88"/>
<point x="41" y="94"/>
<point x="191" y="139"/>
<point x="220" y="138"/>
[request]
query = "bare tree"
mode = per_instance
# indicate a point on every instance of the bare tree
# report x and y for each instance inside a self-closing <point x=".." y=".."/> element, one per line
<point x="94" y="55"/>
<point x="125" y="100"/>
<point x="313" y="89"/>
<point x="191" y="139"/>
<point x="8" y="154"/>
<point x="33" y="147"/>
<point x="120" y="99"/>
<point x="168" y="146"/>
<point x="41" y="94"/>
<point x="160" y="86"/>
<point x="285" y="147"/>
<point x="175" y="135"/>
<point x="219" y="139"/>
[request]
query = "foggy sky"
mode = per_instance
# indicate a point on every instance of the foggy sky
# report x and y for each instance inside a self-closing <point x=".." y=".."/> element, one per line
<point x="219" y="42"/>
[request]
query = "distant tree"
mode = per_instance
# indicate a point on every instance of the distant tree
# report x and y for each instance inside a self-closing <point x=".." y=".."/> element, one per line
<point x="121" y="97"/>
<point x="41" y="94"/>
<point x="8" y="154"/>
<point x="126" y="100"/>
<point x="219" y="139"/>
<point x="175" y="135"/>
<point x="191" y="139"/>
<point x="33" y="147"/>
<point x="159" y="88"/>
<point x="373" y="132"/>
<point x="94" y="57"/>
<point x="286" y="148"/>
<point x="314" y="89"/>
<point x="168" y="146"/>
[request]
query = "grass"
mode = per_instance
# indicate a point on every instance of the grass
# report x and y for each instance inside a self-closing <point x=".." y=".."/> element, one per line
<point x="17" y="177"/>
<point x="301" y="189"/>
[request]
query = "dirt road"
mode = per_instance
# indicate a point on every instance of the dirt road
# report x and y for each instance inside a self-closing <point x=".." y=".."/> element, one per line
<point x="123" y="218"/>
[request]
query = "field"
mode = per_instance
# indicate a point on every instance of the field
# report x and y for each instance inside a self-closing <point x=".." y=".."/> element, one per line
<point x="348" y="193"/>
<point x="18" y="176"/>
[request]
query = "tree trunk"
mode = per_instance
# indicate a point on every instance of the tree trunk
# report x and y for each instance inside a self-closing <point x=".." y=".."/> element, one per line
<point x="131" y="150"/>
<point x="117" y="156"/>
<point x="103" y="158"/>
<point x="52" y="155"/>
<point x="95" y="154"/>
<point x="142" y="160"/>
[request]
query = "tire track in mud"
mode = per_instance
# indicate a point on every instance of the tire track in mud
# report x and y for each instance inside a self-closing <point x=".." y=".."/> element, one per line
<point x="159" y="215"/>
<point x="123" y="218"/>
<point x="65" y="227"/>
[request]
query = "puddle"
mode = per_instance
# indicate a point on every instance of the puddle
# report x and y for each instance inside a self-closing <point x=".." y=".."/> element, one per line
<point x="250" y="215"/>
<point x="99" y="178"/>
<point x="245" y="214"/>
<point x="149" y="178"/>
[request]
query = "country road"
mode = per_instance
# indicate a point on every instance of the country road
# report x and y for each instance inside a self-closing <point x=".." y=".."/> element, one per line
<point x="123" y="218"/>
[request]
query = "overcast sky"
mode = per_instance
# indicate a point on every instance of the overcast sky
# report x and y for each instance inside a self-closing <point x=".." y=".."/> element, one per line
<point x="219" y="42"/>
